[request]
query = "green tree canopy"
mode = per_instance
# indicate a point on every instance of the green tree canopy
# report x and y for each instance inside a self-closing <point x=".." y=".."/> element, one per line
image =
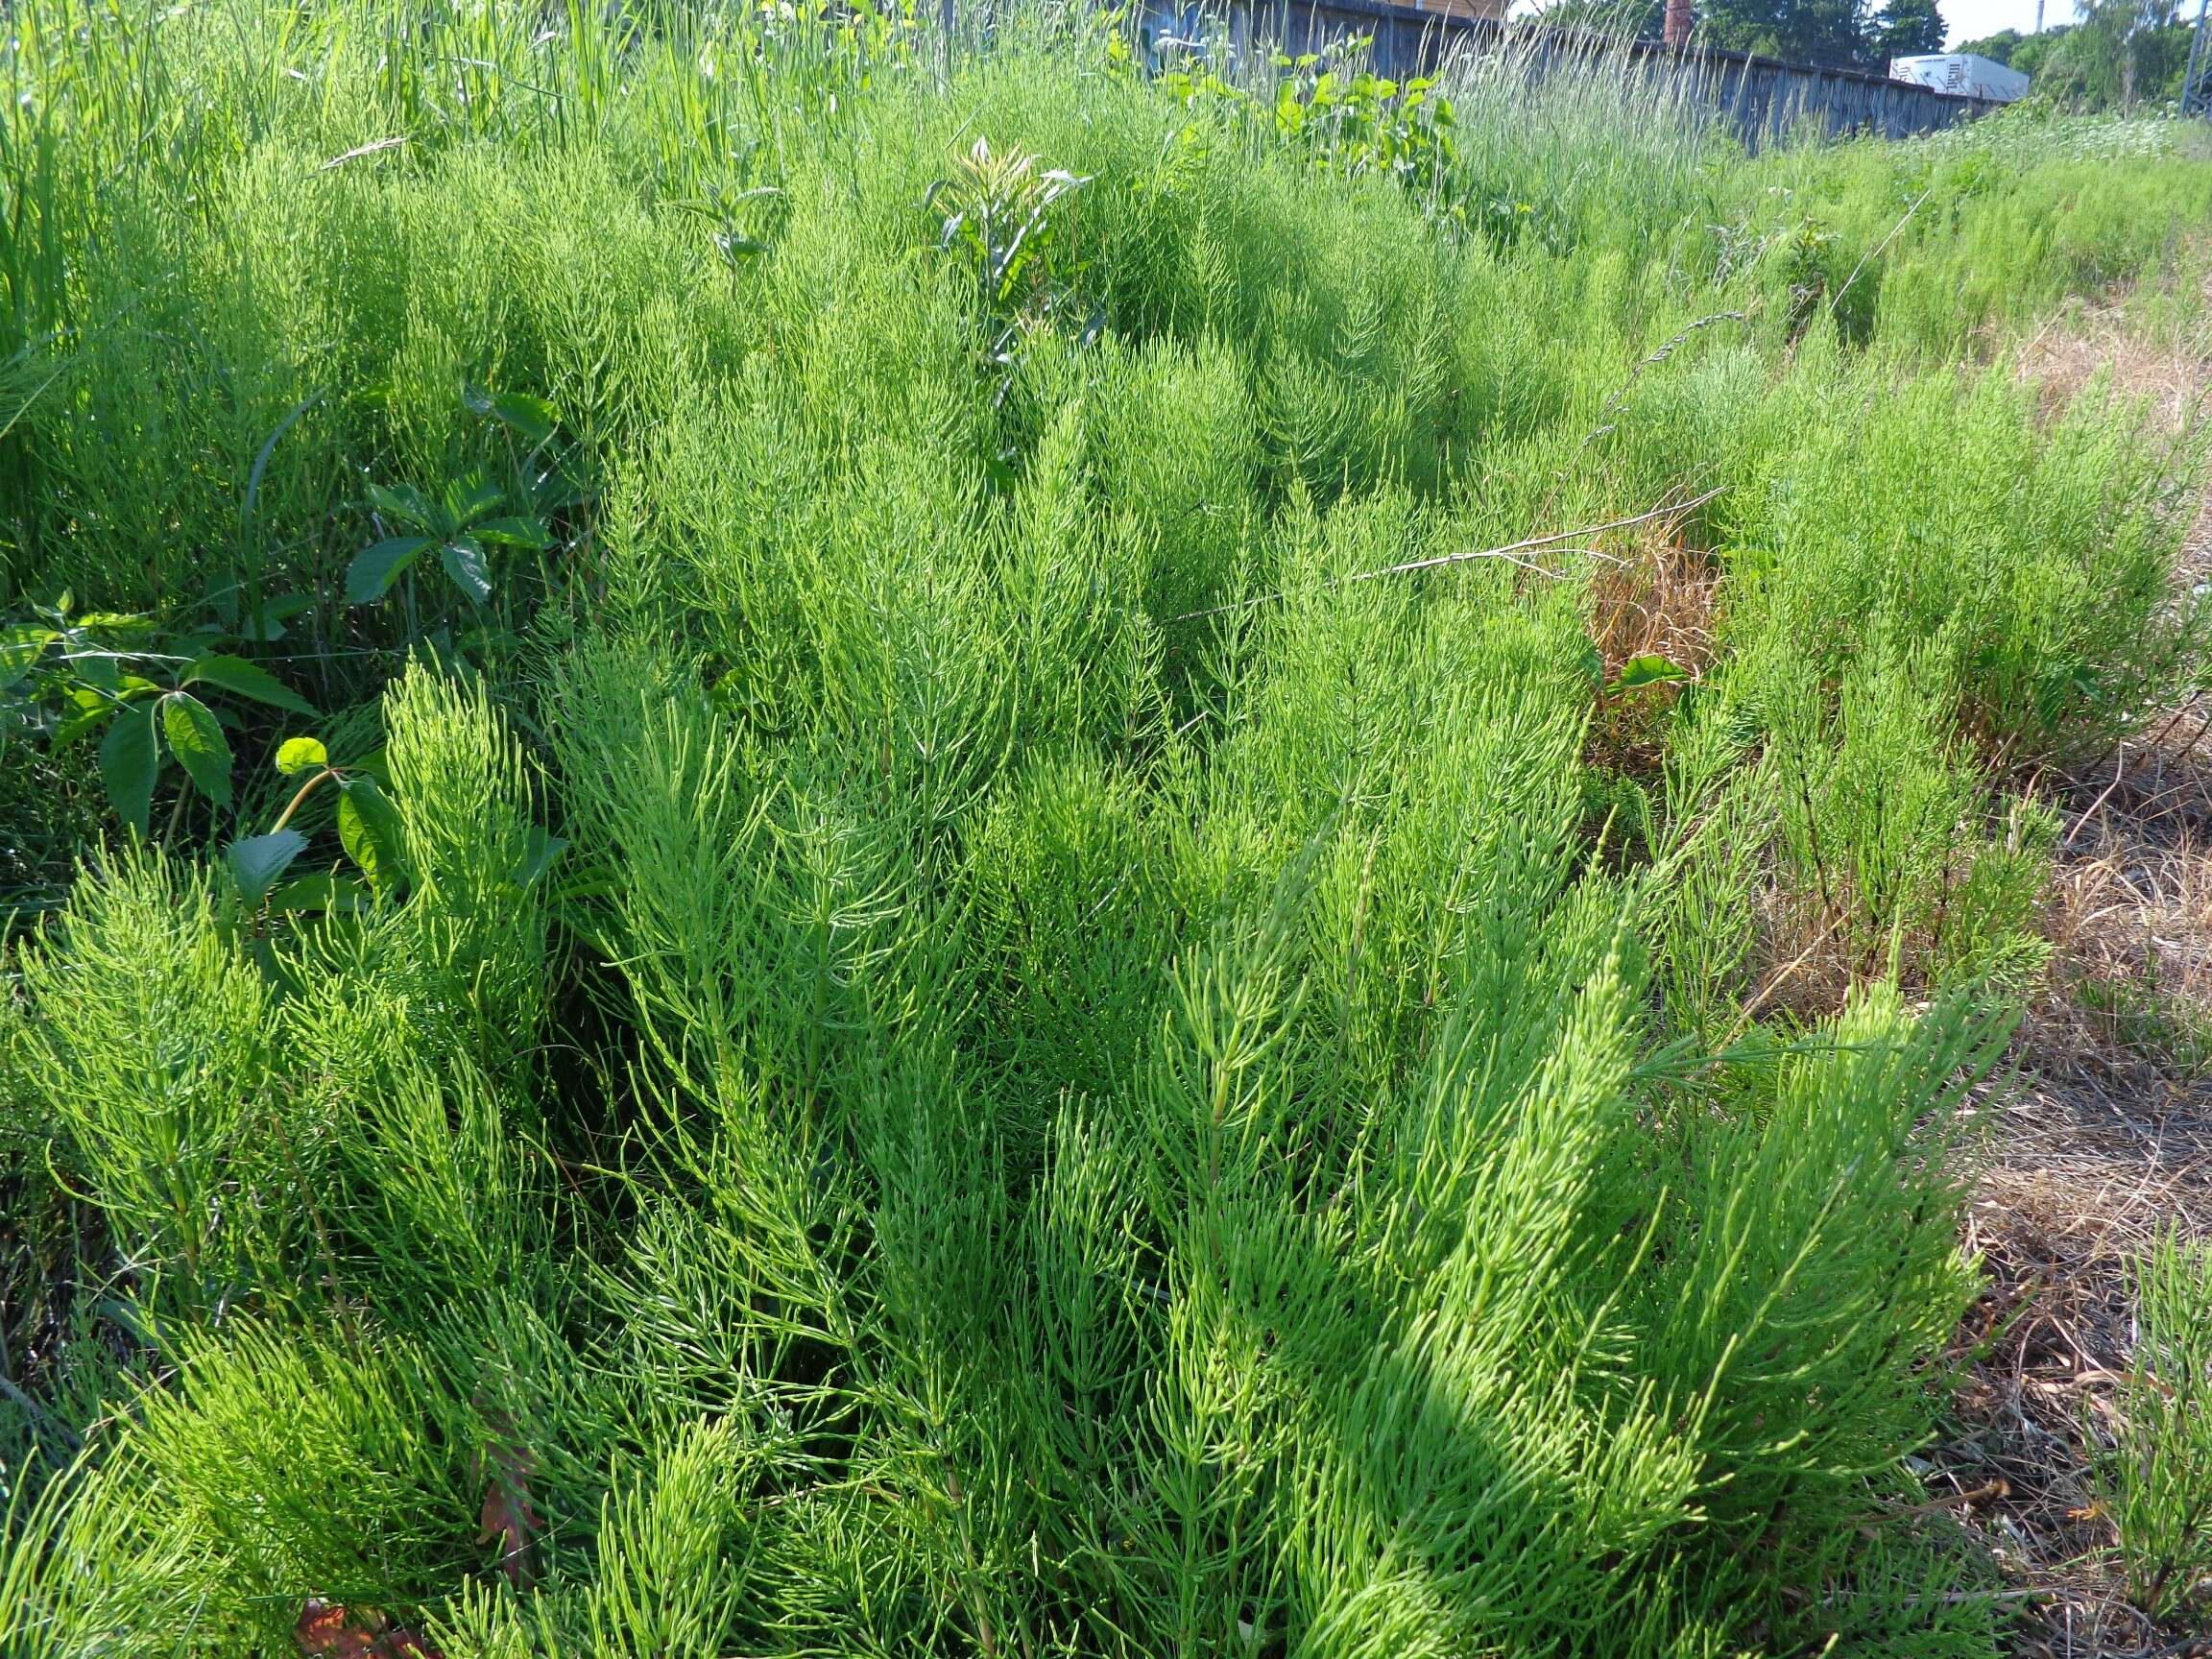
<point x="2123" y="53"/>
<point x="1636" y="19"/>
<point x="1803" y="31"/>
<point x="1905" y="27"/>
<point x="1842" y="32"/>
<point x="1998" y="48"/>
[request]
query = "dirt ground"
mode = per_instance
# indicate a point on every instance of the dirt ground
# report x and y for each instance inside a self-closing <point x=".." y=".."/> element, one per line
<point x="2101" y="1138"/>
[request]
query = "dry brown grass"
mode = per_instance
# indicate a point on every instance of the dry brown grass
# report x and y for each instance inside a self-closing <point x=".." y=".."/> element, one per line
<point x="2086" y="338"/>
<point x="2102" y="1140"/>
<point x="1653" y="597"/>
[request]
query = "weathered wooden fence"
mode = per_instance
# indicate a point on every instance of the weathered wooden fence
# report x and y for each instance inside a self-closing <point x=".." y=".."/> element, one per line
<point x="1758" y="96"/>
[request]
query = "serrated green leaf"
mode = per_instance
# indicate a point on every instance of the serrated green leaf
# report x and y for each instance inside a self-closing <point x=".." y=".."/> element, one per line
<point x="467" y="500"/>
<point x="128" y="760"/>
<point x="406" y="503"/>
<point x="533" y="417"/>
<point x="1591" y="661"/>
<point x="377" y="763"/>
<point x="256" y="862"/>
<point x="515" y="533"/>
<point x="266" y="622"/>
<point x="373" y="571"/>
<point x="234" y="674"/>
<point x="196" y="739"/>
<point x="297" y="754"/>
<point x="464" y="561"/>
<point x="86" y="720"/>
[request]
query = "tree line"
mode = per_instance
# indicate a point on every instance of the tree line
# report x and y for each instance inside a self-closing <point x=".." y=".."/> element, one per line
<point x="2121" y="55"/>
<point x="2118" y="53"/>
<point x="1852" y="34"/>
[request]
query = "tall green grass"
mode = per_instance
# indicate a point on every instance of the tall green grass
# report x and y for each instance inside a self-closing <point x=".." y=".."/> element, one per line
<point x="960" y="1018"/>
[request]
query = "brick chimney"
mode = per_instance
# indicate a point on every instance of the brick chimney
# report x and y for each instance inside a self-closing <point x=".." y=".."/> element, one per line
<point x="1675" y="29"/>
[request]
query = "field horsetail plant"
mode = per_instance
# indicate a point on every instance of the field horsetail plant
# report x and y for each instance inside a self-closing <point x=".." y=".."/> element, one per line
<point x="825" y="841"/>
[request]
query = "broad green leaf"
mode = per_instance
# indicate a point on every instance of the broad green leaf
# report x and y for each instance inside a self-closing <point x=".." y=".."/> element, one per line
<point x="467" y="500"/>
<point x="196" y="739"/>
<point x="297" y="754"/>
<point x="321" y="891"/>
<point x="533" y="417"/>
<point x="256" y="862"/>
<point x="1648" y="671"/>
<point x="246" y="680"/>
<point x="266" y="622"/>
<point x="598" y="881"/>
<point x="464" y="560"/>
<point x="404" y="502"/>
<point x="20" y="648"/>
<point x="92" y="709"/>
<point x="128" y="760"/>
<point x="373" y="572"/>
<point x="513" y="532"/>
<point x="368" y="829"/>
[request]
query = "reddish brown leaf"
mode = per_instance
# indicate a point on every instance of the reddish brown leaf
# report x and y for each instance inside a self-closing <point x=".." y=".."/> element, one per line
<point x="507" y="1517"/>
<point x="327" y="1630"/>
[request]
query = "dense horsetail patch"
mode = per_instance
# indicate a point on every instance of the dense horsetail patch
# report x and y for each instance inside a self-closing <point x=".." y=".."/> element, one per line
<point x="993" y="854"/>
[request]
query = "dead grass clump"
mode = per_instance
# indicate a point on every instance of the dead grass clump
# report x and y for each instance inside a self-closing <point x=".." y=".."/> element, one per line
<point x="1654" y="597"/>
<point x="2087" y="339"/>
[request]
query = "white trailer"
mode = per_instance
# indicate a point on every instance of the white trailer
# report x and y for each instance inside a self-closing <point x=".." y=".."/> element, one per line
<point x="1962" y="74"/>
